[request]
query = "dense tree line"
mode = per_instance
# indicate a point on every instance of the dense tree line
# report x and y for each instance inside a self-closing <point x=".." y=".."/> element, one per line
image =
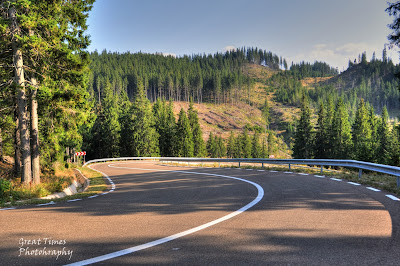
<point x="203" y="78"/>
<point x="316" y="69"/>
<point x="369" y="138"/>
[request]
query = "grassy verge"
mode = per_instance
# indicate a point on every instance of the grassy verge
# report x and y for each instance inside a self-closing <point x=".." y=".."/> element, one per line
<point x="376" y="180"/>
<point x="19" y="194"/>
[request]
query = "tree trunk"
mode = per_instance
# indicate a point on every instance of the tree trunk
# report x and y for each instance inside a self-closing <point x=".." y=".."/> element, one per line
<point x="35" y="133"/>
<point x="1" y="147"/>
<point x="17" y="152"/>
<point x="22" y="107"/>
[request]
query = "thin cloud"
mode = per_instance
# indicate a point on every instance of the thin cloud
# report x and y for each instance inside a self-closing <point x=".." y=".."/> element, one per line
<point x="229" y="48"/>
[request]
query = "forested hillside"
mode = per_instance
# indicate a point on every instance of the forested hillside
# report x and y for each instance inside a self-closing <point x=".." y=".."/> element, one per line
<point x="217" y="78"/>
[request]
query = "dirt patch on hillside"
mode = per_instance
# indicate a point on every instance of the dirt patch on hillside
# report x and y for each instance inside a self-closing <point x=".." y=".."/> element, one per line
<point x="221" y="119"/>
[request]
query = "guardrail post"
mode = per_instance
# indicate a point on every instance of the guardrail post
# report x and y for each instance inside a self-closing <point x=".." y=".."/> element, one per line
<point x="262" y="165"/>
<point x="398" y="182"/>
<point x="239" y="164"/>
<point x="290" y="167"/>
<point x="219" y="164"/>
<point x="322" y="170"/>
<point x="359" y="173"/>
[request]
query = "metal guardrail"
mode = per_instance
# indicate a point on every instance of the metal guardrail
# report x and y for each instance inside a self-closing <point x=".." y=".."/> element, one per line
<point x="380" y="168"/>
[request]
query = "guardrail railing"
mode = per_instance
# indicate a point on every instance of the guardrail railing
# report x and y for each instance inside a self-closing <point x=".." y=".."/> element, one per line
<point x="380" y="168"/>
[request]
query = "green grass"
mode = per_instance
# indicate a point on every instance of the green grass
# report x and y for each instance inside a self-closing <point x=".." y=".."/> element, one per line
<point x="30" y="195"/>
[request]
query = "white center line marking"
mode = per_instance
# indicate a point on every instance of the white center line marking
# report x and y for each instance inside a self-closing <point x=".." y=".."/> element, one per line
<point x="354" y="184"/>
<point x="336" y="179"/>
<point x="260" y="195"/>
<point x="373" y="189"/>
<point x="393" y="197"/>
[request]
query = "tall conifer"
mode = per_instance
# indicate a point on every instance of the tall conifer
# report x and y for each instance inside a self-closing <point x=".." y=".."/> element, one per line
<point x="198" y="142"/>
<point x="304" y="135"/>
<point x="341" y="132"/>
<point x="362" y="134"/>
<point x="184" y="139"/>
<point x="142" y="135"/>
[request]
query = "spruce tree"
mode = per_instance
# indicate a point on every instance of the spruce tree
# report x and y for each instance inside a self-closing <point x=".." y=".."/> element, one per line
<point x="384" y="145"/>
<point x="341" y="132"/>
<point x="238" y="151"/>
<point x="230" y="149"/>
<point x="198" y="142"/>
<point x="256" y="150"/>
<point x="211" y="146"/>
<point x="221" y="149"/>
<point x="170" y="130"/>
<point x="362" y="134"/>
<point x="246" y="144"/>
<point x="106" y="129"/>
<point x="184" y="146"/>
<point x="395" y="146"/>
<point x="142" y="136"/>
<point x="304" y="135"/>
<point x="322" y="135"/>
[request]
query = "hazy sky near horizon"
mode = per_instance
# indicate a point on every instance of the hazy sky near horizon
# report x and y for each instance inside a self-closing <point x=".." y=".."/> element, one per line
<point x="324" y="30"/>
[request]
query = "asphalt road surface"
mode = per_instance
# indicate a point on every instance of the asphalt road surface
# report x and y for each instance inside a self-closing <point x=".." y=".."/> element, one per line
<point x="202" y="216"/>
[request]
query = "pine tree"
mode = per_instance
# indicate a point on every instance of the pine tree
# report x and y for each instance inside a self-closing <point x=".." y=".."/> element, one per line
<point x="184" y="146"/>
<point x="362" y="134"/>
<point x="395" y="146"/>
<point x="246" y="144"/>
<point x="304" y="135"/>
<point x="211" y="146"/>
<point x="106" y="129"/>
<point x="384" y="145"/>
<point x="198" y="142"/>
<point x="170" y="130"/>
<point x="256" y="150"/>
<point x="230" y="149"/>
<point x="238" y="151"/>
<point x="221" y="149"/>
<point x="322" y="135"/>
<point x="165" y="125"/>
<point x="142" y="136"/>
<point x="341" y="132"/>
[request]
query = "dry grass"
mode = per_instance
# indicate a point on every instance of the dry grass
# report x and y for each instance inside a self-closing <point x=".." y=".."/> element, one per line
<point x="307" y="82"/>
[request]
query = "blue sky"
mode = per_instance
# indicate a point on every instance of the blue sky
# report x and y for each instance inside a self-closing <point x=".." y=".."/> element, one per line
<point x="325" y="30"/>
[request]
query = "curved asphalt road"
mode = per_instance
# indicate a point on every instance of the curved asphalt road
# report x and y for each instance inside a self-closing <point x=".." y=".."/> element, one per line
<point x="300" y="220"/>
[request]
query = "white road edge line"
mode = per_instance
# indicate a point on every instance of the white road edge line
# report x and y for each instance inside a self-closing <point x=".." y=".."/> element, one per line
<point x="393" y="197"/>
<point x="320" y="176"/>
<point x="373" y="189"/>
<point x="354" y="184"/>
<point x="72" y="200"/>
<point x="4" y="209"/>
<point x="302" y="174"/>
<point x="336" y="179"/>
<point x="260" y="195"/>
